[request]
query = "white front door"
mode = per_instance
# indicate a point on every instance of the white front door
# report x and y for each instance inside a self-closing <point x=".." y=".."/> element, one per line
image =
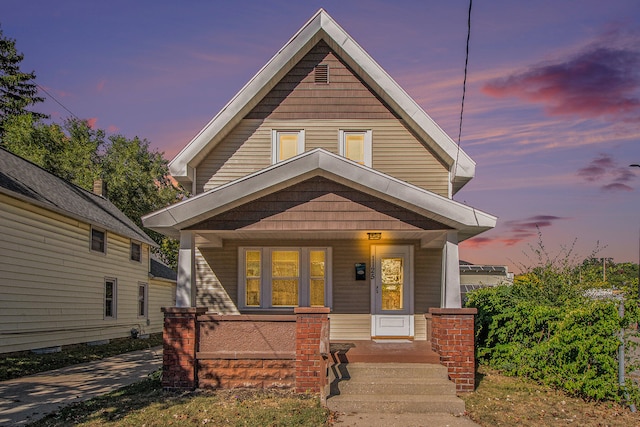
<point x="392" y="291"/>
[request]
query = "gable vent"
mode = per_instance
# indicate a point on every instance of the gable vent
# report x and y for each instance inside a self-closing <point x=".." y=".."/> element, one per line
<point x="322" y="73"/>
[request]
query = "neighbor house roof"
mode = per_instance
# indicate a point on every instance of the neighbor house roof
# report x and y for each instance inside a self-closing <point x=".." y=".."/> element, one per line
<point x="318" y="162"/>
<point x="26" y="181"/>
<point x="322" y="27"/>
<point x="159" y="270"/>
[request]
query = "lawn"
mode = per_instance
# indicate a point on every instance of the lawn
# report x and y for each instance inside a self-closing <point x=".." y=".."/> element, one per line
<point x="146" y="404"/>
<point x="508" y="401"/>
<point x="497" y="401"/>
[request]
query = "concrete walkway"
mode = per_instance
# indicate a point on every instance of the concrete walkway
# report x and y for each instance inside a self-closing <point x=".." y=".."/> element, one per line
<point x="27" y="399"/>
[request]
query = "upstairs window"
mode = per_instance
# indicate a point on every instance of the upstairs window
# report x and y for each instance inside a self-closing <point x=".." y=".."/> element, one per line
<point x="356" y="146"/>
<point x="98" y="240"/>
<point x="136" y="251"/>
<point x="286" y="144"/>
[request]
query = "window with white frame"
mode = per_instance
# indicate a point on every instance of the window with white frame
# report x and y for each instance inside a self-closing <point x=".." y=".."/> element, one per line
<point x="143" y="299"/>
<point x="356" y="145"/>
<point x="110" y="298"/>
<point x="286" y="144"/>
<point x="98" y="240"/>
<point x="276" y="277"/>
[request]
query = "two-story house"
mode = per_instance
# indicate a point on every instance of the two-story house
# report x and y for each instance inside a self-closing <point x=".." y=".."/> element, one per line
<point x="73" y="267"/>
<point x="322" y="183"/>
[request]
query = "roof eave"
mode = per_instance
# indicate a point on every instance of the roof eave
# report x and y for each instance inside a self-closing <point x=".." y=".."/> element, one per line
<point x="170" y="220"/>
<point x="322" y="26"/>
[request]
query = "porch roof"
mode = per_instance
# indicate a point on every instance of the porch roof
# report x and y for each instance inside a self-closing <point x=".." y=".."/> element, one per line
<point x="467" y="220"/>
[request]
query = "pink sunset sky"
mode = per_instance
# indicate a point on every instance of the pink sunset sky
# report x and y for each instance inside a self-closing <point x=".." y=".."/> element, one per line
<point x="552" y="110"/>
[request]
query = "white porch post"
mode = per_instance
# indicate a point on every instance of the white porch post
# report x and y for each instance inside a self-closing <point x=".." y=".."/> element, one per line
<point x="186" y="286"/>
<point x="451" y="272"/>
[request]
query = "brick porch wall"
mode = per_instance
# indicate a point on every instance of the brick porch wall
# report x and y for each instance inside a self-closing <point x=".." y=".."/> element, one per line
<point x="179" y="341"/>
<point x="259" y="351"/>
<point x="453" y="338"/>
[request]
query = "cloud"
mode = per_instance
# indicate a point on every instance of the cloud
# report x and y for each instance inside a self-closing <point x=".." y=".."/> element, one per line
<point x="600" y="81"/>
<point x="92" y="122"/>
<point x="516" y="231"/>
<point x="605" y="168"/>
<point x="100" y="85"/>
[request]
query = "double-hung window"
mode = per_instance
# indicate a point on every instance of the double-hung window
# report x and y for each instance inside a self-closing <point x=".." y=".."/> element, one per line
<point x="143" y="298"/>
<point x="356" y="145"/>
<point x="110" y="298"/>
<point x="136" y="251"/>
<point x="286" y="144"/>
<point x="98" y="240"/>
<point x="284" y="277"/>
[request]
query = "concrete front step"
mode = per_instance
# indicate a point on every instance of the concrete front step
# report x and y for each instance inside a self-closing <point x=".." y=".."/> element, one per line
<point x="395" y="388"/>
<point x="391" y="370"/>
<point x="396" y="404"/>
<point x="398" y="386"/>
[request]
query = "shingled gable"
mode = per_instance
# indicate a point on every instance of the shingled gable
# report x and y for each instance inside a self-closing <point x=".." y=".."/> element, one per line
<point x="26" y="181"/>
<point x="320" y="163"/>
<point x="322" y="27"/>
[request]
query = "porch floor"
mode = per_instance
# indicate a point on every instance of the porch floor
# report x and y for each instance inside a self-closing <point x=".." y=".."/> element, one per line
<point x="383" y="352"/>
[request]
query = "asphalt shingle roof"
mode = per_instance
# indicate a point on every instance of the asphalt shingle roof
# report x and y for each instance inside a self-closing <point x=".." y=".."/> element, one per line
<point x="21" y="178"/>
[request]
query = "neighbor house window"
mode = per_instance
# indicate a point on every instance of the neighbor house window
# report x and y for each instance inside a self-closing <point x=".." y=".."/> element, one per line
<point x="110" y="298"/>
<point x="136" y="251"/>
<point x="98" y="240"/>
<point x="143" y="297"/>
<point x="356" y="146"/>
<point x="284" y="277"/>
<point x="286" y="144"/>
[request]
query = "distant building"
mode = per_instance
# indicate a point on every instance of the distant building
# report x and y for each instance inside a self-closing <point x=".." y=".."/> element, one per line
<point x="474" y="277"/>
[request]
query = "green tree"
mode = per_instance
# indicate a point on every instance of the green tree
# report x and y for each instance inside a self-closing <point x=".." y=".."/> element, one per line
<point x="138" y="182"/>
<point x="137" y="177"/>
<point x="70" y="150"/>
<point x="17" y="88"/>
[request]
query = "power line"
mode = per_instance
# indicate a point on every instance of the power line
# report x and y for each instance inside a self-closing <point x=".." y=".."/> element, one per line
<point x="464" y="84"/>
<point x="58" y="102"/>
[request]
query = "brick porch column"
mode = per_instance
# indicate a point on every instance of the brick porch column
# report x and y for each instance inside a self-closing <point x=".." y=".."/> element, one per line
<point x="180" y="343"/>
<point x="453" y="338"/>
<point x="312" y="349"/>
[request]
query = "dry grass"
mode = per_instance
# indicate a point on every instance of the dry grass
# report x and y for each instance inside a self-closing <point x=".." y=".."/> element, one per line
<point x="507" y="401"/>
<point x="146" y="404"/>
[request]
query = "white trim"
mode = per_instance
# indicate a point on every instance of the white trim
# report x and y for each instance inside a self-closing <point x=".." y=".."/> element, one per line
<point x="275" y="146"/>
<point x="322" y="27"/>
<point x="114" y="299"/>
<point x="368" y="156"/>
<point x="318" y="162"/>
<point x="145" y="297"/>
<point x="265" y="276"/>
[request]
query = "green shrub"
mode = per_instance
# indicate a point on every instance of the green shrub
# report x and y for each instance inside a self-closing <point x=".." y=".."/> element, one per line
<point x="544" y="327"/>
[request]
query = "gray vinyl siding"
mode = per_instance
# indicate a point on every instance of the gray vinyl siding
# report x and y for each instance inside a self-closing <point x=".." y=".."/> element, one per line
<point x="395" y="150"/>
<point x="52" y="284"/>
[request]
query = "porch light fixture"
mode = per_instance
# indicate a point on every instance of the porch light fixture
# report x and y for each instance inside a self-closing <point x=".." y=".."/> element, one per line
<point x="374" y="236"/>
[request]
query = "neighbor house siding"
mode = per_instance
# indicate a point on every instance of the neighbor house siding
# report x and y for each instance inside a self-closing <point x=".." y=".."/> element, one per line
<point x="396" y="152"/>
<point x="52" y="285"/>
<point x="162" y="293"/>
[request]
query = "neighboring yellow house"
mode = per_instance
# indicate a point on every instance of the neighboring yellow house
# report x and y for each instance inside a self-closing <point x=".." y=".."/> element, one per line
<point x="73" y="268"/>
<point x="323" y="183"/>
